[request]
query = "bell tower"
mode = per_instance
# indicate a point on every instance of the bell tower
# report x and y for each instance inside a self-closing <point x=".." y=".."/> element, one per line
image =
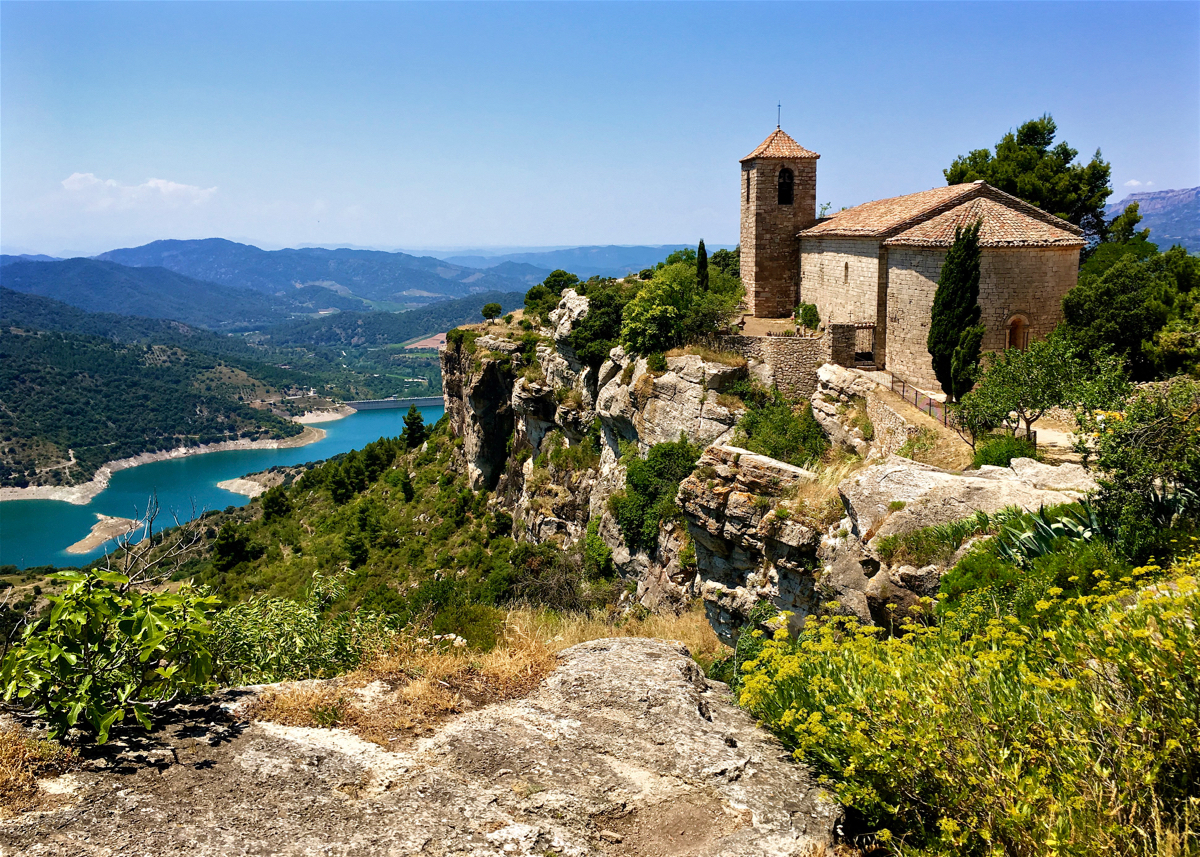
<point x="779" y="198"/>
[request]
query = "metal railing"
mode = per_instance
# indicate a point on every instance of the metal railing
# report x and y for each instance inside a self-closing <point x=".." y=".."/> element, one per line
<point x="932" y="407"/>
<point x="919" y="400"/>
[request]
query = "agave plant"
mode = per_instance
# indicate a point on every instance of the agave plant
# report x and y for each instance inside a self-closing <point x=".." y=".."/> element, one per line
<point x="1170" y="504"/>
<point x="1078" y="523"/>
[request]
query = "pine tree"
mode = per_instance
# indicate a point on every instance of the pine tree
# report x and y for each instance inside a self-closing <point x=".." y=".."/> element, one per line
<point x="414" y="428"/>
<point x="701" y="267"/>
<point x="956" y="313"/>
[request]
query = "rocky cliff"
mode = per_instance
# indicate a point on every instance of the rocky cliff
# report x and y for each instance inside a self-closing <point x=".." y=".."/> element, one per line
<point x="547" y="434"/>
<point x="550" y="436"/>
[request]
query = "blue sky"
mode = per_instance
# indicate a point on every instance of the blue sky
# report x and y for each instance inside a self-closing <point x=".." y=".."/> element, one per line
<point x="398" y="125"/>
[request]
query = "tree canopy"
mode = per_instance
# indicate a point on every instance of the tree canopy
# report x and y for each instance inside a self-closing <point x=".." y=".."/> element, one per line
<point x="1029" y="165"/>
<point x="1138" y="302"/>
<point x="1018" y="386"/>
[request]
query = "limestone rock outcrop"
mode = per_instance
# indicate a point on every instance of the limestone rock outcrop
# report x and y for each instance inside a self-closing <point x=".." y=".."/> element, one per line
<point x="511" y="416"/>
<point x="624" y="749"/>
<point x="933" y="496"/>
<point x="754" y="544"/>
<point x="857" y="414"/>
<point x="745" y="551"/>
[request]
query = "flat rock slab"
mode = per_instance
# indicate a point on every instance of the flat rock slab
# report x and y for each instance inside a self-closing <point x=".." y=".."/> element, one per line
<point x="624" y="749"/>
<point x="899" y="495"/>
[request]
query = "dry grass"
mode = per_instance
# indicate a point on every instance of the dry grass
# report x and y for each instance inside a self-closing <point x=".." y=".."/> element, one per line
<point x="818" y="503"/>
<point x="23" y="759"/>
<point x="405" y="691"/>
<point x="709" y="355"/>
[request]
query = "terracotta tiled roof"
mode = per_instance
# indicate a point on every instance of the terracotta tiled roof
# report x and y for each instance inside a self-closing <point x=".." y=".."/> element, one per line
<point x="1003" y="226"/>
<point x="780" y="145"/>
<point x="872" y="219"/>
<point x="888" y="218"/>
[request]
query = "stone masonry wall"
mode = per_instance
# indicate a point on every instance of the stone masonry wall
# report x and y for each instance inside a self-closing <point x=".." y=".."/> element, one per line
<point x="770" y="249"/>
<point x="838" y="391"/>
<point x="793" y="360"/>
<point x="840" y="276"/>
<point x="1026" y="281"/>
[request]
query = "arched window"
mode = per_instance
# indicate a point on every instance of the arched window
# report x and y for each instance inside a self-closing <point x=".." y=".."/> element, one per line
<point x="1018" y="332"/>
<point x="786" y="183"/>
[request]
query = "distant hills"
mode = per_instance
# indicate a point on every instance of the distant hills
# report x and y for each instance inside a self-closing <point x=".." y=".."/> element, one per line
<point x="1172" y="216"/>
<point x="98" y="286"/>
<point x="393" y="278"/>
<point x="27" y="257"/>
<point x="372" y="330"/>
<point x="609" y="261"/>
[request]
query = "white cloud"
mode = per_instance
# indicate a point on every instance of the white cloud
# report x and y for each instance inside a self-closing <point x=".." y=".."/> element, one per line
<point x="109" y="194"/>
<point x="1133" y="183"/>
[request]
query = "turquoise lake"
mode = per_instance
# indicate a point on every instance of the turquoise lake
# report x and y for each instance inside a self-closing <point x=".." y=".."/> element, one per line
<point x="38" y="532"/>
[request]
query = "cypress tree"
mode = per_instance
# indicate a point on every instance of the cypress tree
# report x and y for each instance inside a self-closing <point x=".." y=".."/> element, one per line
<point x="702" y="267"/>
<point x="956" y="314"/>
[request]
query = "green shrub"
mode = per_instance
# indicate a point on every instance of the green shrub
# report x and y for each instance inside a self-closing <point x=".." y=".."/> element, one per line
<point x="276" y="639"/>
<point x="462" y="340"/>
<point x="985" y="586"/>
<point x="808" y="316"/>
<point x="597" y="555"/>
<point x="108" y="649"/>
<point x="1068" y="736"/>
<point x="656" y="362"/>
<point x="672" y="309"/>
<point x="648" y="498"/>
<point x="543" y="298"/>
<point x="1149" y="458"/>
<point x="599" y="331"/>
<point x="1000" y="450"/>
<point x="778" y="428"/>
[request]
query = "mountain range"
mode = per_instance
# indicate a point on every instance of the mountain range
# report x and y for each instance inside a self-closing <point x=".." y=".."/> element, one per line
<point x="1172" y="216"/>
<point x="607" y="261"/>
<point x="98" y="286"/>
<point x="397" y="279"/>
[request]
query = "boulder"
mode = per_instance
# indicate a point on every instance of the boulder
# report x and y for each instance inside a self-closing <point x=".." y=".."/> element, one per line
<point x="930" y="495"/>
<point x="624" y="749"/>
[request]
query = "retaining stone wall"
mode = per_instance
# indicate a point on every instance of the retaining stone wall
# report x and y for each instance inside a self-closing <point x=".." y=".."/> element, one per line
<point x="793" y="360"/>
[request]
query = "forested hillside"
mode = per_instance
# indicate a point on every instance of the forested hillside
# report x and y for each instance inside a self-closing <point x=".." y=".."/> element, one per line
<point x="70" y="403"/>
<point x="379" y="329"/>
<point x="1172" y="216"/>
<point x="98" y="286"/>
<point x="391" y="277"/>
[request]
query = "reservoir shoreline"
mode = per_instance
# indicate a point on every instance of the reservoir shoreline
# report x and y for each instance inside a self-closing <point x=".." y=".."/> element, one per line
<point x="81" y="495"/>
<point x="105" y="529"/>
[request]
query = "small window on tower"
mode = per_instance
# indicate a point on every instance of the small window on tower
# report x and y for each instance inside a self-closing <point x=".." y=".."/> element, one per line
<point x="846" y="273"/>
<point x="786" y="180"/>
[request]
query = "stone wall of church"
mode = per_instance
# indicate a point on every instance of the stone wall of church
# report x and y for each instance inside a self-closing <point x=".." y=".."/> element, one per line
<point x="840" y="276"/>
<point x="1013" y="281"/>
<point x="770" y="249"/>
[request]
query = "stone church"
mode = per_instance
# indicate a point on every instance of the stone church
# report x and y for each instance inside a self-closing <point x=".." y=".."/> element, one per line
<point x="876" y="265"/>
